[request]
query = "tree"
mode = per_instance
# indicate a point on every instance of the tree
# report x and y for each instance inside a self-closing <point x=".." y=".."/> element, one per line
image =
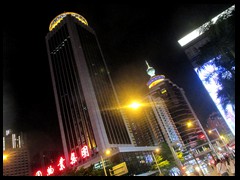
<point x="221" y="50"/>
<point x="165" y="159"/>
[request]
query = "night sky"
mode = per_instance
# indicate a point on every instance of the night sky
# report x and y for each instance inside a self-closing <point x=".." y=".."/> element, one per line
<point x="128" y="35"/>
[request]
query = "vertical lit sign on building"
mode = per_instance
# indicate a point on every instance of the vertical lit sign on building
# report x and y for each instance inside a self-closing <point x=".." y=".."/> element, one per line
<point x="50" y="170"/>
<point x="212" y="86"/>
<point x="73" y="158"/>
<point x="61" y="164"/>
<point x="84" y="152"/>
<point x="38" y="173"/>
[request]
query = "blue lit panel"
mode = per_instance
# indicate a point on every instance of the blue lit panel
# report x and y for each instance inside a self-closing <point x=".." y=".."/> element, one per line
<point x="212" y="86"/>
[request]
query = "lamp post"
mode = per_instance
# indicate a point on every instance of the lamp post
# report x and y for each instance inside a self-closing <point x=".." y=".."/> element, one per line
<point x="107" y="152"/>
<point x="156" y="161"/>
<point x="215" y="129"/>
<point x="104" y="168"/>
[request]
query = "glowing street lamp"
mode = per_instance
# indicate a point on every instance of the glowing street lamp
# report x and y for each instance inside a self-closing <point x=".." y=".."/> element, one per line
<point x="189" y="124"/>
<point x="4" y="157"/>
<point x="135" y="105"/>
<point x="108" y="152"/>
<point x="157" y="150"/>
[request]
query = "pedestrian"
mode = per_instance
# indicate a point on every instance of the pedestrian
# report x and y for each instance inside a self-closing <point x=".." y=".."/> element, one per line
<point x="230" y="165"/>
<point x="221" y="168"/>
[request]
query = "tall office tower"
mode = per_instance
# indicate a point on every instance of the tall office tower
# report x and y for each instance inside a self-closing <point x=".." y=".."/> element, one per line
<point x="175" y="115"/>
<point x="16" y="159"/>
<point x="88" y="110"/>
<point x="191" y="44"/>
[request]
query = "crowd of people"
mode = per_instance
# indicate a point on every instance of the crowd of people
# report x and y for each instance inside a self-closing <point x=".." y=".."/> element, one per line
<point x="225" y="166"/>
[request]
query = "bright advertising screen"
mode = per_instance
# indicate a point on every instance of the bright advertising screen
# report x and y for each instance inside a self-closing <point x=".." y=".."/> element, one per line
<point x="212" y="87"/>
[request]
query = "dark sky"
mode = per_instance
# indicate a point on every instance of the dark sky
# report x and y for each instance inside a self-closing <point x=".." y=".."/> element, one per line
<point x="128" y="34"/>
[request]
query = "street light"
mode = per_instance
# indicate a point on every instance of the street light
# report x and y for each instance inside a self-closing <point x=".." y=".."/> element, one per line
<point x="189" y="124"/>
<point x="103" y="164"/>
<point x="105" y="172"/>
<point x="221" y="137"/>
<point x="135" y="105"/>
<point x="157" y="150"/>
<point x="4" y="157"/>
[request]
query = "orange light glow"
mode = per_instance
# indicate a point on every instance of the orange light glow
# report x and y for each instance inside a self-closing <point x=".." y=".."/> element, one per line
<point x="108" y="152"/>
<point x="157" y="150"/>
<point x="189" y="124"/>
<point x="5" y="157"/>
<point x="134" y="105"/>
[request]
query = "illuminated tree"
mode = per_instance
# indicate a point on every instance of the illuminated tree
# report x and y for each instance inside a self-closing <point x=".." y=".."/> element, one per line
<point x="165" y="159"/>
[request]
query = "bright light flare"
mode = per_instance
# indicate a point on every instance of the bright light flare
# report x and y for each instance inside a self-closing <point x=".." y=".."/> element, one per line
<point x="134" y="105"/>
<point x="5" y="157"/>
<point x="157" y="150"/>
<point x="189" y="124"/>
<point x="108" y="152"/>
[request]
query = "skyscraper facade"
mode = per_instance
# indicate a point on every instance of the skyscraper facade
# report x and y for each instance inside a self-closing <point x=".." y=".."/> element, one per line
<point x="87" y="105"/>
<point x="191" y="43"/>
<point x="88" y="109"/>
<point x="141" y="122"/>
<point x="16" y="159"/>
<point x="176" y="120"/>
<point x="176" y="116"/>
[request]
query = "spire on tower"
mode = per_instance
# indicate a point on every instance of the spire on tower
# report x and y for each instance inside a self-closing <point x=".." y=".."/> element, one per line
<point x="150" y="70"/>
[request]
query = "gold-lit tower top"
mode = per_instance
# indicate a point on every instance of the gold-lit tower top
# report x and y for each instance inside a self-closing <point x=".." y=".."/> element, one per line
<point x="60" y="17"/>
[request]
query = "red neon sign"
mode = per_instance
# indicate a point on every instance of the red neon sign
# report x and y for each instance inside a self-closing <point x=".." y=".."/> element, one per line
<point x="50" y="170"/>
<point x="84" y="152"/>
<point x="61" y="164"/>
<point x="73" y="158"/>
<point x="38" y="173"/>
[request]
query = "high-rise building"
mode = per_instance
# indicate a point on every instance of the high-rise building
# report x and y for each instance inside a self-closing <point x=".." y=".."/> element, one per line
<point x="191" y="43"/>
<point x="175" y="113"/>
<point x="141" y="122"/>
<point x="16" y="159"/>
<point x="88" y="109"/>
<point x="175" y="119"/>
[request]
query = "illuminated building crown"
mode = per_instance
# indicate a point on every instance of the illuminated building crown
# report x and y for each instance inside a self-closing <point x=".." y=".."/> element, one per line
<point x="60" y="17"/>
<point x="154" y="80"/>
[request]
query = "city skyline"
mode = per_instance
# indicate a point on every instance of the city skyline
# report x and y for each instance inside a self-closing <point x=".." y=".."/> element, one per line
<point x="28" y="96"/>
